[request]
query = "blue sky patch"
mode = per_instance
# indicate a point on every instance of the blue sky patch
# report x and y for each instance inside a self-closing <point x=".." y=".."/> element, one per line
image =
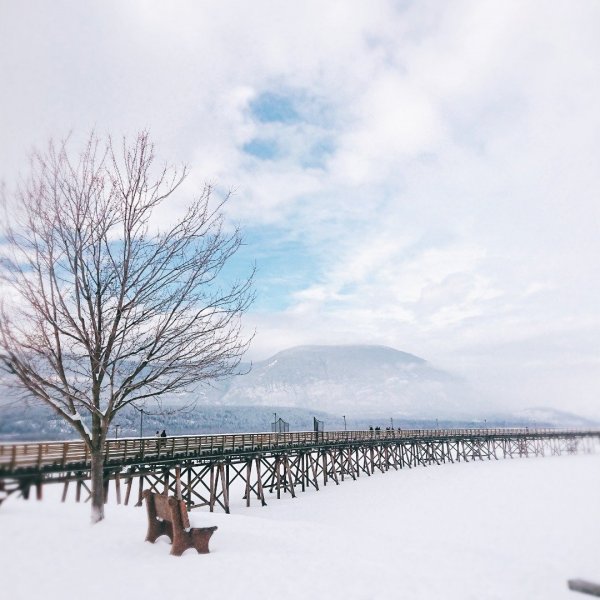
<point x="284" y="265"/>
<point x="318" y="154"/>
<point x="269" y="107"/>
<point x="265" y="149"/>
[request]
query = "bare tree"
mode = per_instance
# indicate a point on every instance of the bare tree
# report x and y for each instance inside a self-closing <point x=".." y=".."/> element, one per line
<point x="100" y="306"/>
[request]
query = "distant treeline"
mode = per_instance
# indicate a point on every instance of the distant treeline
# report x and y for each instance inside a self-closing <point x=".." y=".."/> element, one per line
<point x="19" y="422"/>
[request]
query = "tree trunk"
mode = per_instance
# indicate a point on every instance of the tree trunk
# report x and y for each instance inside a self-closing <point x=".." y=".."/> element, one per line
<point x="97" y="477"/>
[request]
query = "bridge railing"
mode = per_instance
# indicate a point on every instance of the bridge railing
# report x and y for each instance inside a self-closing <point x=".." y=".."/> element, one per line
<point x="75" y="454"/>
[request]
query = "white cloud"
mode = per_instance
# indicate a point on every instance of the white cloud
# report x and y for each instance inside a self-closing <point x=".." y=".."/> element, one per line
<point x="454" y="213"/>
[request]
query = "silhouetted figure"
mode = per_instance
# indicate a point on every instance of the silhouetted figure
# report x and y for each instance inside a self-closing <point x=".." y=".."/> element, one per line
<point x="371" y="428"/>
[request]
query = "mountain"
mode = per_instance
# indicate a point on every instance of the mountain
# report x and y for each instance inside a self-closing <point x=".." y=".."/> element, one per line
<point x="368" y="385"/>
<point x="358" y="379"/>
<point x="548" y="417"/>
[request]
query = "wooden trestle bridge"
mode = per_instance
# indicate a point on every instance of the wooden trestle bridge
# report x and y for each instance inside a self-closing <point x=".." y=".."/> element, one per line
<point x="203" y="470"/>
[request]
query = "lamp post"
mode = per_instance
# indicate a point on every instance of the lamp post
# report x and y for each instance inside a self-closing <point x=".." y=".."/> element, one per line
<point x="392" y="422"/>
<point x="141" y="411"/>
<point x="344" y="422"/>
<point x="116" y="432"/>
<point x="275" y="422"/>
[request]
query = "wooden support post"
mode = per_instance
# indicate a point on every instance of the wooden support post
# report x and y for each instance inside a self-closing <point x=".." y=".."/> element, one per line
<point x="351" y="464"/>
<point x="65" y="488"/>
<point x="386" y="454"/>
<point x="140" y="489"/>
<point x="464" y="450"/>
<point x="225" y="485"/>
<point x="333" y="471"/>
<point x="278" y="476"/>
<point x="212" y="490"/>
<point x="313" y="465"/>
<point x="365" y="460"/>
<point x="248" y="476"/>
<point x="395" y="456"/>
<point x="166" y="481"/>
<point x="189" y="486"/>
<point x="118" y="487"/>
<point x="449" y="451"/>
<point x="128" y="490"/>
<point x="288" y="472"/>
<point x="178" y="493"/>
<point x="261" y="493"/>
<point x="494" y="448"/>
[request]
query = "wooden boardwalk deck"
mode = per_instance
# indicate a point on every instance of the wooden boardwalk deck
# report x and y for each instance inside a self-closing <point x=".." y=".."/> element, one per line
<point x="201" y="469"/>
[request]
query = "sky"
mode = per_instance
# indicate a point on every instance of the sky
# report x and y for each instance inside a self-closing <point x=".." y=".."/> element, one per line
<point x="422" y="175"/>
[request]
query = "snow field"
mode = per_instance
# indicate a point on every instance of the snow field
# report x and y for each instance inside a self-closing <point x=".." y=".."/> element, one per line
<point x="485" y="530"/>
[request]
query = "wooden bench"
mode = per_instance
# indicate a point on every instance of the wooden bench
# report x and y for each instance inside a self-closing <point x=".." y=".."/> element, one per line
<point x="168" y="516"/>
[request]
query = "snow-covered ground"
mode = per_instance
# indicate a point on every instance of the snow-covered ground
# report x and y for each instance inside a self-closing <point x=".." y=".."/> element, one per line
<point x="508" y="530"/>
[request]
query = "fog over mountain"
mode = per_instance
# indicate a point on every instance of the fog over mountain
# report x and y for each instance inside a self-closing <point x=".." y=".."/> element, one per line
<point x="368" y="385"/>
<point x="352" y="379"/>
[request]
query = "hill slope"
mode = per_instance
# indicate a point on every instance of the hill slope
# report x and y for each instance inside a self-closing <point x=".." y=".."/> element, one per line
<point x="358" y="379"/>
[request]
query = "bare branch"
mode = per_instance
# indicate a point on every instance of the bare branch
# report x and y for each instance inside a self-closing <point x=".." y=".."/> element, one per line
<point x="102" y="308"/>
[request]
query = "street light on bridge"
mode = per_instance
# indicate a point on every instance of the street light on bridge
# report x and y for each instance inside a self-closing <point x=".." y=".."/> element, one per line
<point x="141" y="411"/>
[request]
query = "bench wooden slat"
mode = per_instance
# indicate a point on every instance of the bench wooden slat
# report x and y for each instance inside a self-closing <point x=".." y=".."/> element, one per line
<point x="163" y="509"/>
<point x="169" y="516"/>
